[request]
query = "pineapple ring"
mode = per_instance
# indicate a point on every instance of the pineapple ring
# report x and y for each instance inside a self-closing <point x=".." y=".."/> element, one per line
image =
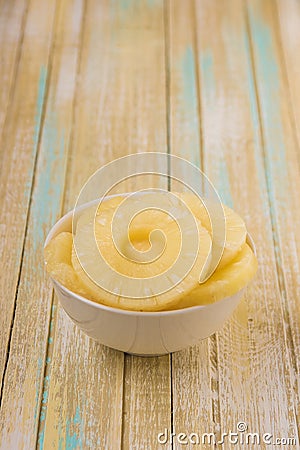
<point x="237" y="267"/>
<point x="86" y="216"/>
<point x="225" y="281"/>
<point x="58" y="262"/>
<point x="150" y="279"/>
<point x="236" y="230"/>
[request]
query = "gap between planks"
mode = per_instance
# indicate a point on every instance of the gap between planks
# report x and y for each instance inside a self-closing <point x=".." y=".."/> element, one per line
<point x="45" y="97"/>
<point x="275" y="233"/>
<point x="289" y="341"/>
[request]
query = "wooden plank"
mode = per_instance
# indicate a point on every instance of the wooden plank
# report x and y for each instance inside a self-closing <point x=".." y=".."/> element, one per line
<point x="147" y="388"/>
<point x="289" y="30"/>
<point x="12" y="24"/>
<point x="250" y="143"/>
<point x="147" y="401"/>
<point x="289" y="21"/>
<point x="22" y="391"/>
<point x="18" y="148"/>
<point x="76" y="413"/>
<point x="253" y="363"/>
<point x="114" y="116"/>
<point x="192" y="369"/>
<point x="185" y="131"/>
<point x="282" y="169"/>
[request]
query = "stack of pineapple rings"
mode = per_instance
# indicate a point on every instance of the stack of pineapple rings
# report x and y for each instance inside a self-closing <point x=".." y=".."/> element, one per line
<point x="152" y="252"/>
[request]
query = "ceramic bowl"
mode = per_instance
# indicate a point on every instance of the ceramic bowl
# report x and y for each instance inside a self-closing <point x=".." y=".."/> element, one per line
<point x="142" y="333"/>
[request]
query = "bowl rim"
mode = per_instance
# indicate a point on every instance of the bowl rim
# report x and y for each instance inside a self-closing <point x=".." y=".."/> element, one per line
<point x="100" y="306"/>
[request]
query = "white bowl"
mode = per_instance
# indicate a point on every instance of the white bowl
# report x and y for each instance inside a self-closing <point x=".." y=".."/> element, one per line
<point x="142" y="333"/>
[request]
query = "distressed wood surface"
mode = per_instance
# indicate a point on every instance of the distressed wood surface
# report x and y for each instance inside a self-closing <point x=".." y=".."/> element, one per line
<point x="85" y="82"/>
<point x="19" y="148"/>
<point x="254" y="341"/>
<point x="193" y="407"/>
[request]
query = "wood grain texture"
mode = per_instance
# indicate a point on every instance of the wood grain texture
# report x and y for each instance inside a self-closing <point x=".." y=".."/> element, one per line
<point x="234" y="160"/>
<point x="147" y="401"/>
<point x="18" y="153"/>
<point x="82" y="395"/>
<point x="114" y="115"/>
<point x="288" y="42"/>
<point x="25" y="369"/>
<point x="85" y="82"/>
<point x="288" y="29"/>
<point x="194" y="408"/>
<point x="140" y="37"/>
<point x="12" y="22"/>
<point x="281" y="157"/>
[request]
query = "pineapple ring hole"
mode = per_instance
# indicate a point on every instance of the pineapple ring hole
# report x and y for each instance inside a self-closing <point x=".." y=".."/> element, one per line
<point x="144" y="245"/>
<point x="140" y="239"/>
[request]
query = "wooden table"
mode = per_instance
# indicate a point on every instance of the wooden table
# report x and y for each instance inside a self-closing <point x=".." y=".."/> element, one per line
<point x="82" y="83"/>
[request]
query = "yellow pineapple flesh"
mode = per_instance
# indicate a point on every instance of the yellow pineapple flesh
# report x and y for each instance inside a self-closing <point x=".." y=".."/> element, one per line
<point x="150" y="228"/>
<point x="224" y="282"/>
<point x="58" y="262"/>
<point x="235" y="228"/>
<point x="148" y="249"/>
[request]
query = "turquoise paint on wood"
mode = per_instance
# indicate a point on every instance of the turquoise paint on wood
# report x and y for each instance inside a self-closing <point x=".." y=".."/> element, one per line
<point x="269" y="88"/>
<point x="53" y="310"/>
<point x="60" y="438"/>
<point x="45" y="205"/>
<point x="224" y="189"/>
<point x="37" y="386"/>
<point x="74" y="440"/>
<point x="188" y="71"/>
<point x="257" y="143"/>
<point x="153" y="3"/>
<point x="188" y="104"/>
<point x="40" y="98"/>
<point x="209" y="95"/>
<point x="77" y="418"/>
<point x="270" y="91"/>
<point x="41" y="440"/>
<point x="207" y="73"/>
<point x="50" y="183"/>
<point x="126" y="5"/>
<point x="45" y="394"/>
<point x="39" y="104"/>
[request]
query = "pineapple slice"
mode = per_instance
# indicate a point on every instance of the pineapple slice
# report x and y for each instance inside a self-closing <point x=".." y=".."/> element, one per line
<point x="148" y="253"/>
<point x="236" y="231"/>
<point x="89" y="213"/>
<point x="59" y="250"/>
<point x="224" y="282"/>
<point x="59" y="265"/>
